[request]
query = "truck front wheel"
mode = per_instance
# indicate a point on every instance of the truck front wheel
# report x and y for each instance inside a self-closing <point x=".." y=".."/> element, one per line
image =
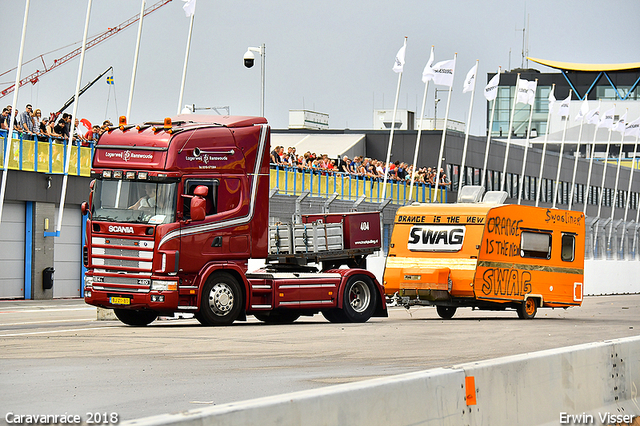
<point x="221" y="300"/>
<point x="135" y="318"/>
<point x="359" y="300"/>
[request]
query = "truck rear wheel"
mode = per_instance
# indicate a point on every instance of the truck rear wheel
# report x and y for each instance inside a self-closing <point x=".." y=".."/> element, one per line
<point x="278" y="317"/>
<point x="446" y="312"/>
<point x="528" y="309"/>
<point x="135" y="318"/>
<point x="359" y="300"/>
<point x="335" y="315"/>
<point x="221" y="300"/>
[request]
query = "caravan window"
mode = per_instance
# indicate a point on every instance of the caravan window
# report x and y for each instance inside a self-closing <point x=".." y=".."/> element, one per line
<point x="535" y="244"/>
<point x="568" y="247"/>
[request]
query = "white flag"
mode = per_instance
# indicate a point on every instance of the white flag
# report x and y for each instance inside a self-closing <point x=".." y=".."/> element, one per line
<point x="532" y="92"/>
<point x="593" y="116"/>
<point x="469" y="81"/>
<point x="607" y="118"/>
<point x="398" y="65"/>
<point x="444" y="72"/>
<point x="633" y="128"/>
<point x="564" y="107"/>
<point x="621" y="124"/>
<point x="552" y="98"/>
<point x="491" y="89"/>
<point x="584" y="110"/>
<point x="427" y="73"/>
<point x="522" y="90"/>
<point x="189" y="7"/>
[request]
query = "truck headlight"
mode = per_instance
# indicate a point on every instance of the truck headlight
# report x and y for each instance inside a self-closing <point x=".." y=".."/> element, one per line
<point x="88" y="281"/>
<point x="159" y="285"/>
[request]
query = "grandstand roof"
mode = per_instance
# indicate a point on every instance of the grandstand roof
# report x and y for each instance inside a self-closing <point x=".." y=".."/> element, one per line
<point x="569" y="66"/>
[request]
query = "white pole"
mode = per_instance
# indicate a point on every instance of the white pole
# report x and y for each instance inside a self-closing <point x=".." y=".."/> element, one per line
<point x="544" y="150"/>
<point x="63" y="194"/>
<point x="486" y="149"/>
<point x="135" y="60"/>
<point x="615" y="187"/>
<point x="393" y="126"/>
<point x="506" y="154"/>
<point x="466" y="135"/>
<point x="593" y="148"/>
<point x="415" y="152"/>
<point x="14" y="110"/>
<point x="575" y="163"/>
<point x="444" y="131"/>
<point x="262" y="71"/>
<point x="184" y="68"/>
<point x="626" y="208"/>
<point x="564" y="134"/>
<point x="604" y="175"/>
<point x="526" y="149"/>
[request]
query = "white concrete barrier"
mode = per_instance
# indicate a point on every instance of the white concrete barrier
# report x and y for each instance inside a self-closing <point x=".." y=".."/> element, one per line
<point x="602" y="277"/>
<point x="542" y="388"/>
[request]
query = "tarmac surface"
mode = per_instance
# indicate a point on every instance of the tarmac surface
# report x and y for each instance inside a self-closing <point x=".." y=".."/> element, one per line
<point x="56" y="358"/>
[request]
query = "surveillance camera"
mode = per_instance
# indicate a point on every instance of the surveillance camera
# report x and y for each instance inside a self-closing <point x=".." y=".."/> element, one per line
<point x="249" y="59"/>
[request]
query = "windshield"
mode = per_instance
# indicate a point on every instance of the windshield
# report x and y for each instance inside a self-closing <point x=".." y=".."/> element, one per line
<point x="134" y="201"/>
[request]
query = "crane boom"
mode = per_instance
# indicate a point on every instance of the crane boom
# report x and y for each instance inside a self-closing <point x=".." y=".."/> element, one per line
<point x="34" y="77"/>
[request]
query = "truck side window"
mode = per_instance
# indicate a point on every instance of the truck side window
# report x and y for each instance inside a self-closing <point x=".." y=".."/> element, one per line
<point x="190" y="186"/>
<point x="535" y="244"/>
<point x="568" y="247"/>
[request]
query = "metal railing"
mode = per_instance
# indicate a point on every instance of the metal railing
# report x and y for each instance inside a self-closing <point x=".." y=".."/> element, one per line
<point x="45" y="156"/>
<point x="325" y="183"/>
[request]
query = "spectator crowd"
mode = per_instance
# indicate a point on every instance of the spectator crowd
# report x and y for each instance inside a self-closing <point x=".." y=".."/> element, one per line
<point x="358" y="166"/>
<point x="30" y="125"/>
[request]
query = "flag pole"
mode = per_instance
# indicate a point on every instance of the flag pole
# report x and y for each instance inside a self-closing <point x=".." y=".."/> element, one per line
<point x="186" y="60"/>
<point x="415" y="153"/>
<point x="14" y="109"/>
<point x="486" y="149"/>
<point x="615" y="186"/>
<point x="575" y="162"/>
<point x="544" y="149"/>
<point x="393" y="126"/>
<point x="65" y="179"/>
<point x="593" y="148"/>
<point x="604" y="175"/>
<point x="506" y="154"/>
<point x="444" y="131"/>
<point x="564" y="134"/>
<point x="526" y="147"/>
<point x="135" y="59"/>
<point x="466" y="135"/>
<point x="626" y="208"/>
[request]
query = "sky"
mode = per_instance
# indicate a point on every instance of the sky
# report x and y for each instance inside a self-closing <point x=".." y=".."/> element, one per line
<point x="333" y="56"/>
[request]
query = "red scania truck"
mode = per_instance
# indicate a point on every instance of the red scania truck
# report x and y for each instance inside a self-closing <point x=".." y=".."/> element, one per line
<point x="176" y="210"/>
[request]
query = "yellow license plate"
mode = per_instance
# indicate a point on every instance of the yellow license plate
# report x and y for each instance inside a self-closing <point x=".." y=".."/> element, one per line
<point x="120" y="301"/>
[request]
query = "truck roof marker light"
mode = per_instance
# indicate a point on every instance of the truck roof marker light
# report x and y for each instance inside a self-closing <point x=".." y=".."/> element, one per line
<point x="168" y="125"/>
<point x="122" y="122"/>
<point x="143" y="175"/>
<point x="117" y="174"/>
<point x="106" y="174"/>
<point x="130" y="175"/>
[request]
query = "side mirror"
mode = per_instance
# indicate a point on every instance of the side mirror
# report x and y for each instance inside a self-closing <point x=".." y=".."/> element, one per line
<point x="198" y="208"/>
<point x="84" y="208"/>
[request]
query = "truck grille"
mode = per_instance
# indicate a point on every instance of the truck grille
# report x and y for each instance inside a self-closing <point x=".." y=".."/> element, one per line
<point x="118" y="253"/>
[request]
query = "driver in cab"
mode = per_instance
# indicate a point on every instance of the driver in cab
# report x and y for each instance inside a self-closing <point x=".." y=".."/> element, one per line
<point x="147" y="201"/>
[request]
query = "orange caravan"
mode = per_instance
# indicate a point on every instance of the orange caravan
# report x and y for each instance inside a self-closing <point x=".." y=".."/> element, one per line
<point x="486" y="255"/>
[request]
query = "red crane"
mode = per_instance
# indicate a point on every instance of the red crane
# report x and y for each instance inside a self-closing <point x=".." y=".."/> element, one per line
<point x="34" y="77"/>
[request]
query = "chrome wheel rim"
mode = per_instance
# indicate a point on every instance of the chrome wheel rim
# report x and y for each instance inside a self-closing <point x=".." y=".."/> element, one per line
<point x="359" y="296"/>
<point x="221" y="299"/>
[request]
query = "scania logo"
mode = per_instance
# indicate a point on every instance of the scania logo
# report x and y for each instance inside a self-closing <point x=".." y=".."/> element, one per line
<point x="121" y="229"/>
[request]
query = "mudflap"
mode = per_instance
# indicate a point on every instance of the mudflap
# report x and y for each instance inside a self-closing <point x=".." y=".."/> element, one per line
<point x="426" y="284"/>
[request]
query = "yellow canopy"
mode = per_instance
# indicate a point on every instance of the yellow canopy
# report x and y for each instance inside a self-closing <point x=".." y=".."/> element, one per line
<point x="586" y="67"/>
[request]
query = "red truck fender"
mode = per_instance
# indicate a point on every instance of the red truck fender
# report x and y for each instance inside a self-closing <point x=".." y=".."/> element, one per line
<point x="231" y="268"/>
<point x="381" y="304"/>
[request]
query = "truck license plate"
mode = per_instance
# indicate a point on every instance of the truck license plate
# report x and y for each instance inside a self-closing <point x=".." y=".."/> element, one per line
<point x="120" y="301"/>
